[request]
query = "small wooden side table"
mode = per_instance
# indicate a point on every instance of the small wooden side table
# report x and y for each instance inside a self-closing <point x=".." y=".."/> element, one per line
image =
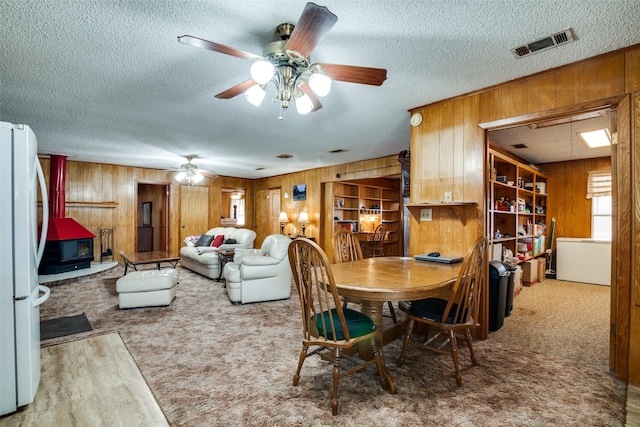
<point x="225" y="256"/>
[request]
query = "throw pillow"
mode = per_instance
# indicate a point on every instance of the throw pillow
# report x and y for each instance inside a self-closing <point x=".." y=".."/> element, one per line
<point x="205" y="240"/>
<point x="230" y="242"/>
<point x="191" y="240"/>
<point x="217" y="241"/>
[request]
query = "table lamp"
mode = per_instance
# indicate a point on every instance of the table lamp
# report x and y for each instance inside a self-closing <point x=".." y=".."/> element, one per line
<point x="282" y="219"/>
<point x="303" y="219"/>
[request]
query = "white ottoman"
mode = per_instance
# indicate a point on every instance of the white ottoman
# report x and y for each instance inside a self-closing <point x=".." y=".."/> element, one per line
<point x="147" y="288"/>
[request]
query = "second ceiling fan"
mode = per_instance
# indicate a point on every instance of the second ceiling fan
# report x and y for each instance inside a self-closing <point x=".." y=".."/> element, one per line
<point x="286" y="63"/>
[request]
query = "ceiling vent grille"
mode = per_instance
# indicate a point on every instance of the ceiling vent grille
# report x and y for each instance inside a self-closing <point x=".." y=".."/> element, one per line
<point x="549" y="42"/>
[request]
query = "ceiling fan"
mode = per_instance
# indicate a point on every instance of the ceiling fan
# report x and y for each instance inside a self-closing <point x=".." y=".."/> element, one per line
<point x="286" y="63"/>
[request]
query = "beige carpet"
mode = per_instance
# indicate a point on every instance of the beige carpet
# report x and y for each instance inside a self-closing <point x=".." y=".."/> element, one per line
<point x="210" y="363"/>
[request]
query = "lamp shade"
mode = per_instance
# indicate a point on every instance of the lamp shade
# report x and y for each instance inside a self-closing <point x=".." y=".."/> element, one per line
<point x="283" y="217"/>
<point x="255" y="95"/>
<point x="262" y="71"/>
<point x="304" y="104"/>
<point x="304" y="216"/>
<point x="320" y="84"/>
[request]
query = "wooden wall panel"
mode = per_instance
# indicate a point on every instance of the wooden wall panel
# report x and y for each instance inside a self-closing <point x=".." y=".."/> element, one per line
<point x="460" y="171"/>
<point x="514" y="98"/>
<point x="567" y="199"/>
<point x="634" y="292"/>
<point x="610" y="76"/>
<point x="542" y="93"/>
<point x="567" y="87"/>
<point x="632" y="71"/>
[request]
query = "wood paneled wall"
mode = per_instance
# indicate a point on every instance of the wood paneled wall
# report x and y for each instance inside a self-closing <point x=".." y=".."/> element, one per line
<point x="374" y="168"/>
<point x="450" y="131"/>
<point x="110" y="197"/>
<point x="447" y="154"/>
<point x="567" y="199"/>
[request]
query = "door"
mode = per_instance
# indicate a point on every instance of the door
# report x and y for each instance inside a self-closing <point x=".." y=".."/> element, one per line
<point x="194" y="211"/>
<point x="273" y="211"/>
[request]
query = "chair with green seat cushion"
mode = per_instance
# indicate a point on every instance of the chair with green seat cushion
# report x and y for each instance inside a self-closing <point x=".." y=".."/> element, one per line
<point x="456" y="315"/>
<point x="358" y="324"/>
<point x="325" y="325"/>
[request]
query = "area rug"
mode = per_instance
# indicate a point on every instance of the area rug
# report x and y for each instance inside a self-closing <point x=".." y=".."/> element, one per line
<point x="211" y="363"/>
<point x="64" y="326"/>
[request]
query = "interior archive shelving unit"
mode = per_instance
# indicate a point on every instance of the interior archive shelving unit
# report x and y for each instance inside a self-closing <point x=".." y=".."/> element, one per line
<point x="517" y="214"/>
<point x="362" y="207"/>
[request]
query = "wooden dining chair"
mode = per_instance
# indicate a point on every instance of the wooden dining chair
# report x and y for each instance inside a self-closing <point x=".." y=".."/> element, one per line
<point x="346" y="247"/>
<point x="457" y="315"/>
<point x="375" y="246"/>
<point x="325" y="324"/>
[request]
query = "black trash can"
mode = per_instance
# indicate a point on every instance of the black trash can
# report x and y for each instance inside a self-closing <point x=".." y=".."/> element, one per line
<point x="498" y="281"/>
<point x="508" y="307"/>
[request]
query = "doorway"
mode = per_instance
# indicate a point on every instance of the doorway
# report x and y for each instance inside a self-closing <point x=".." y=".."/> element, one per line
<point x="619" y="109"/>
<point x="152" y="217"/>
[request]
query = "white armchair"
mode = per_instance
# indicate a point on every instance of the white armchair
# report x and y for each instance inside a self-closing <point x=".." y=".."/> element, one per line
<point x="260" y="274"/>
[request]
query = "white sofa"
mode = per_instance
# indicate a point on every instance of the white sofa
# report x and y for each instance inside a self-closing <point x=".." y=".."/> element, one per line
<point x="204" y="260"/>
<point x="260" y="274"/>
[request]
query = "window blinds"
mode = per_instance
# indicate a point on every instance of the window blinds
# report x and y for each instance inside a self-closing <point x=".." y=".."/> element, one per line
<point x="598" y="184"/>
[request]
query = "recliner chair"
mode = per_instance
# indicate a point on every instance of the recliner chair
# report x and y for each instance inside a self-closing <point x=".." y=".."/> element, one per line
<point x="260" y="274"/>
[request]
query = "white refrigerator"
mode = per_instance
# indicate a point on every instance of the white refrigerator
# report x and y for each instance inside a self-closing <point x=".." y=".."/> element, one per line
<point x="20" y="252"/>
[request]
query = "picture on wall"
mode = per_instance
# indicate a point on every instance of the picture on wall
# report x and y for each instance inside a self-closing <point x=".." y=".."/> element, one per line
<point x="300" y="192"/>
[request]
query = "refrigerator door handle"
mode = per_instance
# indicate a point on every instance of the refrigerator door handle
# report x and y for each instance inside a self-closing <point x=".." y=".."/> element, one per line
<point x="46" y="291"/>
<point x="45" y="213"/>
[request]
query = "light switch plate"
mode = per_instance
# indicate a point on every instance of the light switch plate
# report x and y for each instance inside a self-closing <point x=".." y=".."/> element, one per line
<point x="425" y="215"/>
<point x="448" y="197"/>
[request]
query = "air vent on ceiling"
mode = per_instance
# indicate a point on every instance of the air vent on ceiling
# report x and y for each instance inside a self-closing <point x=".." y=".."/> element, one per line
<point x="284" y="156"/>
<point x="553" y="40"/>
<point x="339" y="150"/>
<point x="519" y="146"/>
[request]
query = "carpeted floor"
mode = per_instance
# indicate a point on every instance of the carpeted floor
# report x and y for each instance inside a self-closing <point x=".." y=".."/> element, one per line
<point x="211" y="363"/>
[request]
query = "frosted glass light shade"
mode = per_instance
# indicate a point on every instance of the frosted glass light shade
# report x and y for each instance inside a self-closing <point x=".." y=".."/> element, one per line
<point x="320" y="84"/>
<point x="304" y="104"/>
<point x="255" y="95"/>
<point x="181" y="176"/>
<point x="197" y="177"/>
<point x="262" y="71"/>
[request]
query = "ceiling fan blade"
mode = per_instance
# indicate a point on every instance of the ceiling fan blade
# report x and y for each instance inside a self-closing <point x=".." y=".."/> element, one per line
<point x="236" y="90"/>
<point x="353" y="74"/>
<point x="312" y="96"/>
<point x="216" y="47"/>
<point x="314" y="23"/>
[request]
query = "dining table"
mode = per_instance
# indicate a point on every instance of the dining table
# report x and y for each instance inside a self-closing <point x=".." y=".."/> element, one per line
<point x="373" y="281"/>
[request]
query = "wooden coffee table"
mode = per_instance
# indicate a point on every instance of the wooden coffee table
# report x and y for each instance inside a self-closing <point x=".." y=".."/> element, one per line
<point x="153" y="257"/>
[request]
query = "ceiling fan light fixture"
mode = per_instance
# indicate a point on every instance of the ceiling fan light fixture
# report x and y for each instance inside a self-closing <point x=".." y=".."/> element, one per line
<point x="255" y="95"/>
<point x="304" y="104"/>
<point x="320" y="84"/>
<point x="262" y="71"/>
<point x="189" y="173"/>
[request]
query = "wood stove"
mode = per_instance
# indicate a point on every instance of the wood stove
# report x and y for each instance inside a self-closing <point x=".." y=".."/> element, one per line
<point x="69" y="245"/>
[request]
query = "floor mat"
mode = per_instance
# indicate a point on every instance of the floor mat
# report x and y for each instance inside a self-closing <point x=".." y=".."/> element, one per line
<point x="64" y="326"/>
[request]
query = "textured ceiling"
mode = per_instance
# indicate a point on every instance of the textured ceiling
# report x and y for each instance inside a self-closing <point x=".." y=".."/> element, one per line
<point x="107" y="81"/>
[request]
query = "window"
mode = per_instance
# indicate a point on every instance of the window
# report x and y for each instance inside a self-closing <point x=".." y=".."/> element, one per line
<point x="599" y="191"/>
<point x="601" y="218"/>
<point x="238" y="211"/>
